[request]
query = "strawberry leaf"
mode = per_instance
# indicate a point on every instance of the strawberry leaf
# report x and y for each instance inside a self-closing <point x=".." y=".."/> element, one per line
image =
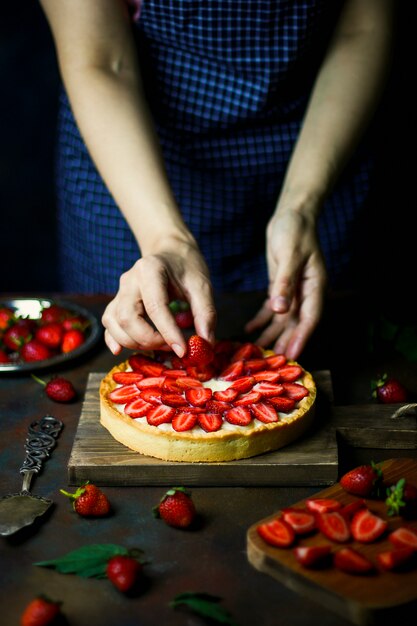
<point x="87" y="562"/>
<point x="204" y="604"/>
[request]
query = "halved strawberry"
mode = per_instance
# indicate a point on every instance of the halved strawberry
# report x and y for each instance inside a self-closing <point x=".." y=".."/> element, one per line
<point x="199" y="352"/>
<point x="248" y="398"/>
<point x="226" y="395"/>
<point x="290" y="373"/>
<point x="275" y="361"/>
<point x="309" y="556"/>
<point x="403" y="537"/>
<point x="170" y="384"/>
<point x="245" y="352"/>
<point x="198" y="396"/>
<point x="224" y="346"/>
<point x="161" y="414"/>
<point x="283" y="404"/>
<point x="184" y="420"/>
<point x="323" y="505"/>
<point x="277" y="533"/>
<point x="173" y="399"/>
<point x="264" y="412"/>
<point x="243" y="384"/>
<point x="123" y="394"/>
<point x="152" y="369"/>
<point x="334" y="526"/>
<point x="171" y="373"/>
<point x="350" y="509"/>
<point x="187" y="382"/>
<point x="136" y="361"/>
<point x="151" y="395"/>
<point x="351" y="561"/>
<point x="126" y="378"/>
<point x="301" y="521"/>
<point x="155" y="382"/>
<point x="296" y="391"/>
<point x="137" y="407"/>
<point x="233" y="371"/>
<point x="214" y="406"/>
<point x="269" y="375"/>
<point x="239" y="415"/>
<point x="254" y="365"/>
<point x="393" y="559"/>
<point x="201" y="373"/>
<point x="210" y="422"/>
<point x="269" y="390"/>
<point x="367" y="527"/>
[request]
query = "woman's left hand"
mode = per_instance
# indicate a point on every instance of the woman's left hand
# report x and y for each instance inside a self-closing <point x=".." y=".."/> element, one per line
<point x="297" y="280"/>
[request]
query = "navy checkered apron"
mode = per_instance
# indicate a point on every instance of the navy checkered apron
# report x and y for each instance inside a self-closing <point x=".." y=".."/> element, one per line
<point x="227" y="82"/>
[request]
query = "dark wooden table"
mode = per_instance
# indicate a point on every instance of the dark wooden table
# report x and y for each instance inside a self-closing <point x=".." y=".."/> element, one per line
<point x="211" y="558"/>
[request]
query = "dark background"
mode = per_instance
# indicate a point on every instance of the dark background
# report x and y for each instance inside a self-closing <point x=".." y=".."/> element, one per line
<point x="30" y="83"/>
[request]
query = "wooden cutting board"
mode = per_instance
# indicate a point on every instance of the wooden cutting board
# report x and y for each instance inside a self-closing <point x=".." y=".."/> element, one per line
<point x="371" y="599"/>
<point x="96" y="456"/>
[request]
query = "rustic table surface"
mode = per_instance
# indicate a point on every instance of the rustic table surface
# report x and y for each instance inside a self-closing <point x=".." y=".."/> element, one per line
<point x="211" y="558"/>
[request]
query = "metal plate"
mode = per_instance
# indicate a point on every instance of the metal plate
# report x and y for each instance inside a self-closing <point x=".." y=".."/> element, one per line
<point x="32" y="307"/>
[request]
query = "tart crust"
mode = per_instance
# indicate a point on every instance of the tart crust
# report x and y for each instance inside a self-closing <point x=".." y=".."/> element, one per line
<point x="196" y="445"/>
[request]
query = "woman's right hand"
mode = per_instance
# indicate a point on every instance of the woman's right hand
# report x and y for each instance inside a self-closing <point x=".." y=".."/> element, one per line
<point x="139" y="317"/>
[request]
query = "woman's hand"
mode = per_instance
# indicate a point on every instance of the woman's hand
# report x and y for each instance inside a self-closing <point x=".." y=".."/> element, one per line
<point x="297" y="278"/>
<point x="139" y="316"/>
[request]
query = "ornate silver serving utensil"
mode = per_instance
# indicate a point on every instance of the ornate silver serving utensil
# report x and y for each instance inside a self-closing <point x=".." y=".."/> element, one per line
<point x="21" y="509"/>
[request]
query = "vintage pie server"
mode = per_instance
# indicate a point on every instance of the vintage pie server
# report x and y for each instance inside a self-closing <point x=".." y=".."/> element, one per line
<point x="18" y="510"/>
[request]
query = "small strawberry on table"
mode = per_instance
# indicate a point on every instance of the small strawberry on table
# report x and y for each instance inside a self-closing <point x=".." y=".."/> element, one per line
<point x="89" y="501"/>
<point x="176" y="508"/>
<point x="389" y="390"/>
<point x="41" y="611"/>
<point x="58" y="388"/>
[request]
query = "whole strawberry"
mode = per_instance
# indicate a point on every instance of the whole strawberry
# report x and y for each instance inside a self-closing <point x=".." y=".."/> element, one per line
<point x="16" y="336"/>
<point x="40" y="612"/>
<point x="54" y="313"/>
<point x="72" y="339"/>
<point x="123" y="571"/>
<point x="176" y="508"/>
<point x="184" y="319"/>
<point x="389" y="390"/>
<point x="58" y="389"/>
<point x="362" y="480"/>
<point x="89" y="501"/>
<point x="50" y="335"/>
<point x="4" y="357"/>
<point x="6" y="317"/>
<point x="33" y="350"/>
<point x="199" y="351"/>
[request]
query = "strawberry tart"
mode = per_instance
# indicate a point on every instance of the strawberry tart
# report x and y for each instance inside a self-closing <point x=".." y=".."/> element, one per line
<point x="217" y="404"/>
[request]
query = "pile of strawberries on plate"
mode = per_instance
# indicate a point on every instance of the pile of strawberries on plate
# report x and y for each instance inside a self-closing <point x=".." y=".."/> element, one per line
<point x="342" y="528"/>
<point x="58" y="330"/>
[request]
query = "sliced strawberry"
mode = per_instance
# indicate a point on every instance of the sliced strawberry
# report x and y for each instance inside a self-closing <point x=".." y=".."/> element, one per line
<point x="136" y="361"/>
<point x="127" y="378"/>
<point x="214" y="406"/>
<point x="350" y="509"/>
<point x="137" y="407"/>
<point x="403" y="538"/>
<point x="224" y="346"/>
<point x="171" y="373"/>
<point x="393" y="559"/>
<point x="210" y="422"/>
<point x="264" y="412"/>
<point x="152" y="369"/>
<point x="254" y="365"/>
<point x="269" y="375"/>
<point x="187" y="382"/>
<point x="269" y="390"/>
<point x="170" y="384"/>
<point x="246" y="352"/>
<point x="243" y="384"/>
<point x="239" y="415"/>
<point x="233" y="371"/>
<point x="173" y="399"/>
<point x="151" y="395"/>
<point x="198" y="396"/>
<point x="290" y="373"/>
<point x="277" y="533"/>
<point x="123" y="394"/>
<point x="296" y="391"/>
<point x="155" y="381"/>
<point x="351" y="561"/>
<point x="283" y="404"/>
<point x="309" y="556"/>
<point x="322" y="505"/>
<point x="302" y="522"/>
<point x="248" y="398"/>
<point x="334" y="526"/>
<point x="275" y="361"/>
<point x="367" y="527"/>
<point x="184" y="420"/>
<point x="227" y="395"/>
<point x="196" y="409"/>
<point x="201" y="373"/>
<point x="161" y="414"/>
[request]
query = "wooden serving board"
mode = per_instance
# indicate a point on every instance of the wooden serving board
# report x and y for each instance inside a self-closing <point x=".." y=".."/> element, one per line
<point x="370" y="599"/>
<point x="96" y="456"/>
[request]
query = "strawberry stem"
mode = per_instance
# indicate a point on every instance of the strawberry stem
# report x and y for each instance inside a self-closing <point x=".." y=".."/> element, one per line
<point x="39" y="380"/>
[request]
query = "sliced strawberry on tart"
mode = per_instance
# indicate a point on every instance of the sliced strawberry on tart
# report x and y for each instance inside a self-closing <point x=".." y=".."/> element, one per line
<point x="215" y="404"/>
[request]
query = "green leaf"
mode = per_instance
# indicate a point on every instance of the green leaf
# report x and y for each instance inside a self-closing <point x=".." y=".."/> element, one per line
<point x="204" y="604"/>
<point x="87" y="562"/>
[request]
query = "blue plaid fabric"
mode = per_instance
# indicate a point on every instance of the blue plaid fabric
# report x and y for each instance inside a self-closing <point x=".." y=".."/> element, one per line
<point x="228" y="83"/>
